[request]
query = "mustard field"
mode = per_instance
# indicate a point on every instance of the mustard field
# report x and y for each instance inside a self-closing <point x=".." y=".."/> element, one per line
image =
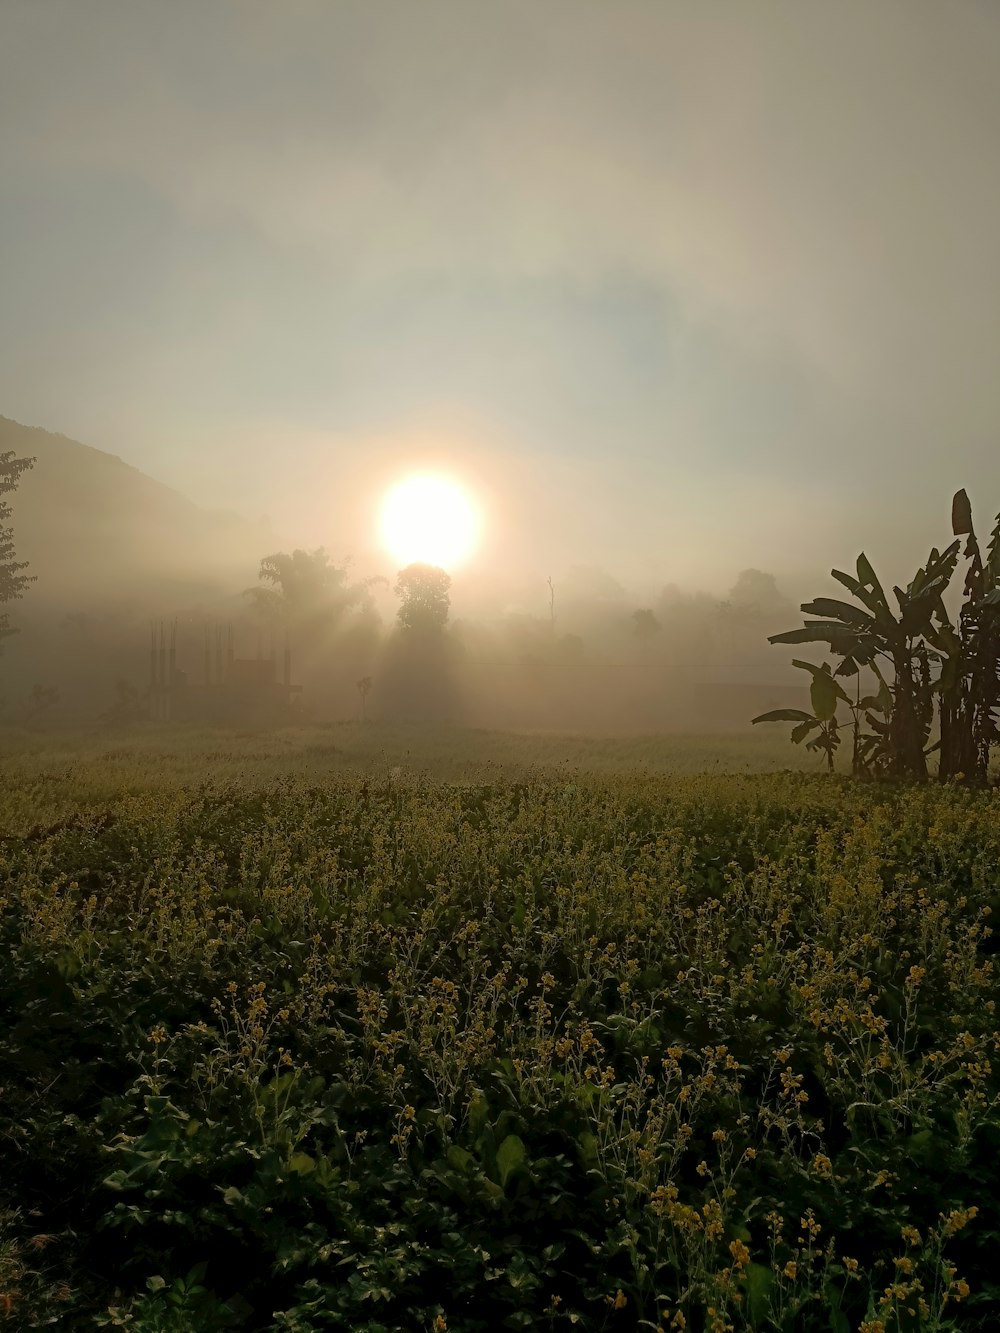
<point x="377" y="1031"/>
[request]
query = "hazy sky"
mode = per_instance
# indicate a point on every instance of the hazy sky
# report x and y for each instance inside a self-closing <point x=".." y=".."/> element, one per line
<point x="676" y="287"/>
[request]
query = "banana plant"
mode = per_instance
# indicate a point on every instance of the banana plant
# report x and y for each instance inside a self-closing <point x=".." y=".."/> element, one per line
<point x="968" y="655"/>
<point x="873" y="636"/>
<point x="920" y="658"/>
<point x="825" y="693"/>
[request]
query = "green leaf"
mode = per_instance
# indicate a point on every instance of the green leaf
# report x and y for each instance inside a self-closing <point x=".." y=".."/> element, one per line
<point x="961" y="514"/>
<point x="588" y="1146"/>
<point x="872" y="702"/>
<point x="848" y="580"/>
<point x="843" y="641"/>
<point x="923" y="1146"/>
<point x="478" y="1110"/>
<point x="800" y="732"/>
<point x="68" y="965"/>
<point x="156" y="1283"/>
<point x="814" y="631"/>
<point x="510" y="1155"/>
<point x="867" y="589"/>
<point x="945" y="639"/>
<point x="301" y="1163"/>
<point x="784" y="715"/>
<point x="458" y="1158"/>
<point x="830" y="607"/>
<point x="824" y="696"/>
<point x="867" y="577"/>
<point x="825" y="692"/>
<point x="759" y="1279"/>
<point x="838" y="1320"/>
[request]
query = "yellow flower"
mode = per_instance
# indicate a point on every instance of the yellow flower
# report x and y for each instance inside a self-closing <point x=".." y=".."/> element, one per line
<point x="621" y="1300"/>
<point x="740" y="1253"/>
<point x="957" y="1219"/>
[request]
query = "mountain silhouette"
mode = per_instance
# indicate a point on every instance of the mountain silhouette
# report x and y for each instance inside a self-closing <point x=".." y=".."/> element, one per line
<point x="97" y="531"/>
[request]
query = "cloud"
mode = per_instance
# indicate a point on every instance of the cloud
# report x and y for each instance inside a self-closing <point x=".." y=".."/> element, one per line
<point x="821" y="178"/>
<point x="811" y="192"/>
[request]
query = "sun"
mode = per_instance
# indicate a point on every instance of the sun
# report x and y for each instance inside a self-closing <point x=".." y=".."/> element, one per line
<point x="429" y="520"/>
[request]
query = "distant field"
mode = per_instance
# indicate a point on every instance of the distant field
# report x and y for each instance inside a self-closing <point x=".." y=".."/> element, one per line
<point x="50" y="772"/>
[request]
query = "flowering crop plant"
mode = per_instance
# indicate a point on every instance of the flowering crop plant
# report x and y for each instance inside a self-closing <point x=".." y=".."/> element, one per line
<point x="694" y="1052"/>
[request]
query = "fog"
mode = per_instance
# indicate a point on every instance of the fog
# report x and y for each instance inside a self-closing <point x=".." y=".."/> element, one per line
<point x="674" y="291"/>
<point x="116" y="556"/>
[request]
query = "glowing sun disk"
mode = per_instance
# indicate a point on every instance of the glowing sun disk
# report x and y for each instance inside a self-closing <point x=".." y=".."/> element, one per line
<point x="430" y="520"/>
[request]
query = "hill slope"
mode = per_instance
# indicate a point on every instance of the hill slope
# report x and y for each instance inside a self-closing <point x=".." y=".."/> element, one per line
<point x="97" y="531"/>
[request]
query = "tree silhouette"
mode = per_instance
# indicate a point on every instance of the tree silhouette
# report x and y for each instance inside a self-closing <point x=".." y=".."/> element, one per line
<point x="12" y="581"/>
<point x="425" y="600"/>
<point x="757" y="590"/>
<point x="305" y="587"/>
<point x="645" y="625"/>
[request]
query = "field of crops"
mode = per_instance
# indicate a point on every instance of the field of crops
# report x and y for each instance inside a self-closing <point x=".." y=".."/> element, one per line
<point x="369" y="1031"/>
<point x="47" y="775"/>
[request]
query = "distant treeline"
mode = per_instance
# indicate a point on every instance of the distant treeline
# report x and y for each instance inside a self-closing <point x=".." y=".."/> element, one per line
<point x="589" y="659"/>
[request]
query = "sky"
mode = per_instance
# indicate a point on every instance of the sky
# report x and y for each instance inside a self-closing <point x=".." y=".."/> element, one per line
<point x="674" y="288"/>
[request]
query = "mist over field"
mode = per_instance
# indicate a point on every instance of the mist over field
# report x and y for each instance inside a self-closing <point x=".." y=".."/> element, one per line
<point x="672" y="293"/>
<point x="582" y="652"/>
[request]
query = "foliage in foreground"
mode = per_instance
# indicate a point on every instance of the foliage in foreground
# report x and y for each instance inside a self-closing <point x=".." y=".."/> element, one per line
<point x="707" y="1053"/>
<point x="12" y="580"/>
<point x="919" y="658"/>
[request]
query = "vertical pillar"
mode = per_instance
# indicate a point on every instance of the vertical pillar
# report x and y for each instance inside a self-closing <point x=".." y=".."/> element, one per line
<point x="163" y="670"/>
<point x="153" y="700"/>
<point x="172" y="672"/>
